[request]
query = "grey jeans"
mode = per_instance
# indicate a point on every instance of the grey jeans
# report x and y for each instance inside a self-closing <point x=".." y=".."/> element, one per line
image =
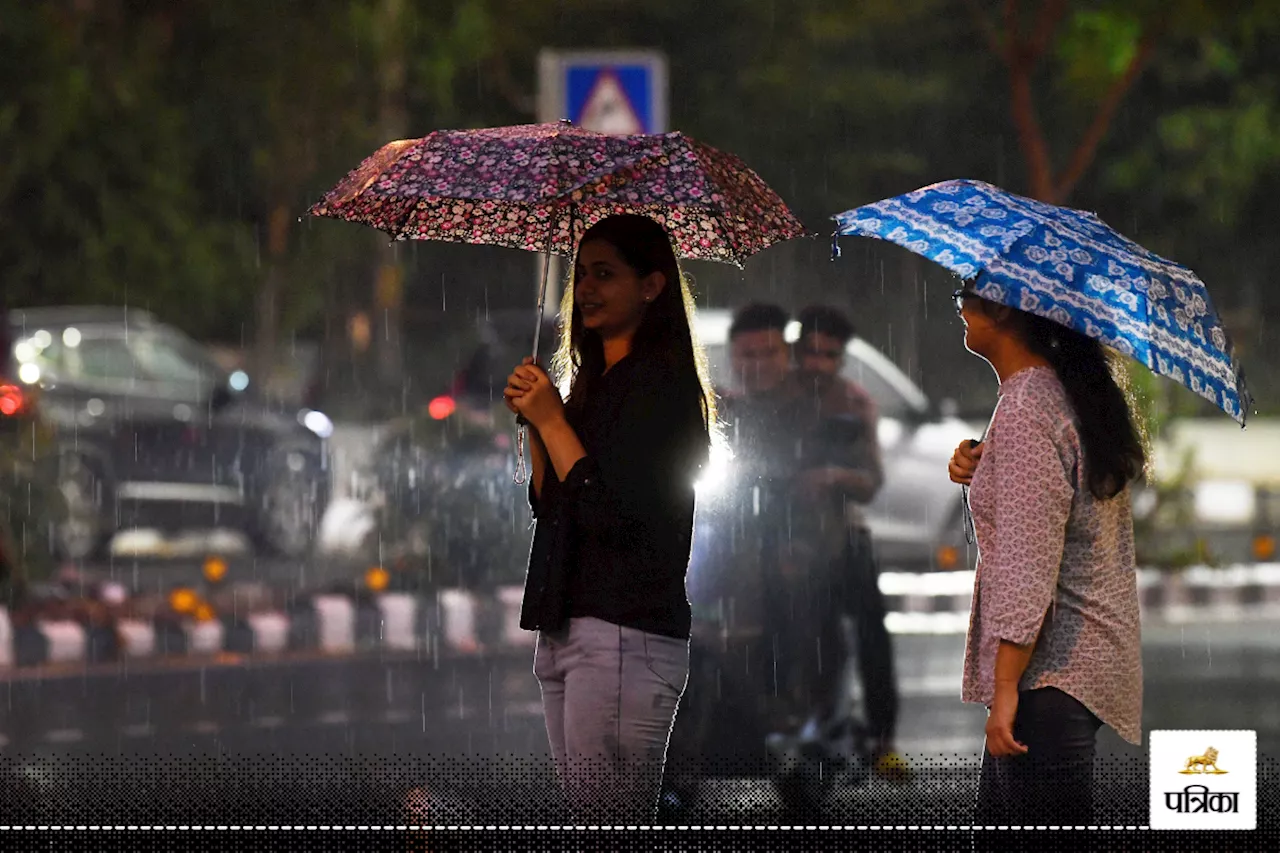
<point x="610" y="695"/>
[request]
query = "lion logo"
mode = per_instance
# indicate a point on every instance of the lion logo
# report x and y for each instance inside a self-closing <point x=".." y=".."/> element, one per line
<point x="1202" y="763"/>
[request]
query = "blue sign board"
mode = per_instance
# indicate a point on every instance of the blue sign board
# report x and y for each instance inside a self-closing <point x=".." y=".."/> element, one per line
<point x="609" y="91"/>
<point x="635" y="82"/>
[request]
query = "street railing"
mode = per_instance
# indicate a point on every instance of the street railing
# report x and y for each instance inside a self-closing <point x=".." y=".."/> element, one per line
<point x="99" y="622"/>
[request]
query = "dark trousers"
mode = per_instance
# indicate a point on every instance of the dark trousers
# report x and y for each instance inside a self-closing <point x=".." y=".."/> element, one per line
<point x="1052" y="783"/>
<point x="853" y="589"/>
<point x="729" y="707"/>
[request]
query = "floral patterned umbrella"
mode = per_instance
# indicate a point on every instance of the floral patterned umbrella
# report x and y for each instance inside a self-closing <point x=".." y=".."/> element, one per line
<point x="539" y="186"/>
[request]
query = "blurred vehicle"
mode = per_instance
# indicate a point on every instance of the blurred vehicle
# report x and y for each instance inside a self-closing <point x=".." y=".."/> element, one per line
<point x="1213" y="497"/>
<point x="448" y="512"/>
<point x="150" y="433"/>
<point x="1209" y="522"/>
<point x="915" y="520"/>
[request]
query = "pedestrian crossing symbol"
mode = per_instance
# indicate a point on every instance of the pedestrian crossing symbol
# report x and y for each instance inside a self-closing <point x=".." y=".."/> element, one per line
<point x="616" y="92"/>
<point x="607" y="109"/>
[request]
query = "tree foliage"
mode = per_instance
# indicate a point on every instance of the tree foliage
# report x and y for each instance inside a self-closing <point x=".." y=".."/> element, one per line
<point x="151" y="146"/>
<point x="96" y="194"/>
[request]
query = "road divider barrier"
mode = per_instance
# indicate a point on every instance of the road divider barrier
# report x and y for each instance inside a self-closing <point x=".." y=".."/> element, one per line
<point x="250" y="619"/>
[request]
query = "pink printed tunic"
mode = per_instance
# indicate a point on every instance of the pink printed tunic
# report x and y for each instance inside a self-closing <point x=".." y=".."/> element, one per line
<point x="1055" y="564"/>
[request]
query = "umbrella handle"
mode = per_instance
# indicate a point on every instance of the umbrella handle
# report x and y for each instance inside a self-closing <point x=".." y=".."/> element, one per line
<point x="522" y="425"/>
<point x="522" y="432"/>
<point x="522" y="469"/>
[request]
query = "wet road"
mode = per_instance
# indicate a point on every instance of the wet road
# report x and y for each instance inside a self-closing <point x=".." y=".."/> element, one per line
<point x="358" y="740"/>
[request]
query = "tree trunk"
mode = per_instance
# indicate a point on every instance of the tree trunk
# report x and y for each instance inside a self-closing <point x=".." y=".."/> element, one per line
<point x="268" y="320"/>
<point x="388" y="277"/>
<point x="1034" y="149"/>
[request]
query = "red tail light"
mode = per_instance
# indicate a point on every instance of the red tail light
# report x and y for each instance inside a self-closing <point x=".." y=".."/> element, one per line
<point x="12" y="400"/>
<point x="441" y="407"/>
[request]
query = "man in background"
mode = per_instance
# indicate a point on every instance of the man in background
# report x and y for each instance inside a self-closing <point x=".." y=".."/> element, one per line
<point x="839" y="471"/>
<point x="726" y="708"/>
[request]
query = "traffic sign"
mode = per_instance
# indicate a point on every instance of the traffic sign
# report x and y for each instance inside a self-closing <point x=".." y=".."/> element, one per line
<point x="614" y="91"/>
<point x="619" y="91"/>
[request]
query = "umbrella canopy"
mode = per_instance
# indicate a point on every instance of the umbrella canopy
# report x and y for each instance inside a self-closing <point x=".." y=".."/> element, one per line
<point x="538" y="187"/>
<point x="1070" y="267"/>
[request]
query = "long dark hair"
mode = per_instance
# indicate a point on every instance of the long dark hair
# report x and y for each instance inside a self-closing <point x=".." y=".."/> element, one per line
<point x="1114" y="451"/>
<point x="665" y="332"/>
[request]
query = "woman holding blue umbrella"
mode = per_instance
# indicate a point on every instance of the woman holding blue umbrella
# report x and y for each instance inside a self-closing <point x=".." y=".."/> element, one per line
<point x="1050" y="295"/>
<point x="1054" y="645"/>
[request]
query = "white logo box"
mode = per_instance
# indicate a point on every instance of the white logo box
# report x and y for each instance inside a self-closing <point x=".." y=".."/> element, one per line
<point x="1204" y="779"/>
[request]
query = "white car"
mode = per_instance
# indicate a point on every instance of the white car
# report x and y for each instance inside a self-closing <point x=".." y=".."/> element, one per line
<point x="915" y="520"/>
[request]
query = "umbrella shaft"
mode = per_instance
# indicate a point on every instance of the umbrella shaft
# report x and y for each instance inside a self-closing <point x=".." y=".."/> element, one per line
<point x="542" y="303"/>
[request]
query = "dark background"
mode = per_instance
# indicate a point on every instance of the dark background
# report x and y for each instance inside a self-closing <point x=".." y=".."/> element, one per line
<point x="160" y="153"/>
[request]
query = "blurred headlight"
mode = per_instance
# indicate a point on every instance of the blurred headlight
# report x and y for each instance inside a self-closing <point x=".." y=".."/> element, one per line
<point x="29" y="373"/>
<point x="317" y="422"/>
<point x="889" y="431"/>
<point x="1225" y="501"/>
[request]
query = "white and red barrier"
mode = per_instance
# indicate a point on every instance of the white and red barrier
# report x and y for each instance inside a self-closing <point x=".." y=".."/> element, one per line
<point x="458" y="622"/>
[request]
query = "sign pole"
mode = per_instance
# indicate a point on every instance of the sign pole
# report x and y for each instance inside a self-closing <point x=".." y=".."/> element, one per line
<point x="551" y="107"/>
<point x="616" y="91"/>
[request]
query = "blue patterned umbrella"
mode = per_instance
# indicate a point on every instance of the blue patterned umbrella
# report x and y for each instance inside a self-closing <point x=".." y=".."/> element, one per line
<point x="1070" y="267"/>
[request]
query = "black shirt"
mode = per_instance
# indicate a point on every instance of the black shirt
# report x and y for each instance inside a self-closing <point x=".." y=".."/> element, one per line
<point x="612" y="540"/>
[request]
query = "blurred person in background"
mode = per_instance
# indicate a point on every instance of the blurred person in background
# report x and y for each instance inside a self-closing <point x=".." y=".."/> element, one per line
<point x="738" y="539"/>
<point x="612" y="492"/>
<point x="755" y="416"/>
<point x="839" y="470"/>
<point x="1054" y="649"/>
